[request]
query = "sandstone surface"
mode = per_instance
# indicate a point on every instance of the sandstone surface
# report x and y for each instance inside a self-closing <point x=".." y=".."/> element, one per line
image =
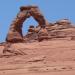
<point x="46" y="49"/>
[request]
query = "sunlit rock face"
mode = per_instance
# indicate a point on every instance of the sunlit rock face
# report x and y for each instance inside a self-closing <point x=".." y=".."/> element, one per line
<point x="61" y="29"/>
<point x="43" y="31"/>
<point x="15" y="32"/>
<point x="46" y="49"/>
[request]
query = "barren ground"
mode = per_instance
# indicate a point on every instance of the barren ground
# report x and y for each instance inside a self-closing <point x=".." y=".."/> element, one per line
<point x="56" y="57"/>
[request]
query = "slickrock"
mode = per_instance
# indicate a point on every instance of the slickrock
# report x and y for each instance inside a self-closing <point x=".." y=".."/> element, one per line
<point x="43" y="31"/>
<point x="46" y="49"/>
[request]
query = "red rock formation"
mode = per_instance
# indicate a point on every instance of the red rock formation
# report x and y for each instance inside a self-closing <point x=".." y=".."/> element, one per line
<point x="15" y="32"/>
<point x="55" y="56"/>
<point x="60" y="29"/>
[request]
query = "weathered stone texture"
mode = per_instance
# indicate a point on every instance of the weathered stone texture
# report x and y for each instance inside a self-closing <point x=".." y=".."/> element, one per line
<point x="15" y="32"/>
<point x="44" y="30"/>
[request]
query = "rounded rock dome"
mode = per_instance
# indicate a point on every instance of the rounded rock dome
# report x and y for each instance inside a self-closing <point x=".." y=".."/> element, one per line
<point x="63" y="22"/>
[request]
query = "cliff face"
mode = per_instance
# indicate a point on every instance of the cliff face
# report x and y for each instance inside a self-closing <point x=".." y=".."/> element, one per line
<point x="47" y="49"/>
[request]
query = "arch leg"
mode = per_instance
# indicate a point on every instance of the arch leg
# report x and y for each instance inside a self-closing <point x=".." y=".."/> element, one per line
<point x="15" y="31"/>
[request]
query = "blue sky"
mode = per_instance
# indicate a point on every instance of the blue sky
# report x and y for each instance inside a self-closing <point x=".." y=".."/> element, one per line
<point x="52" y="10"/>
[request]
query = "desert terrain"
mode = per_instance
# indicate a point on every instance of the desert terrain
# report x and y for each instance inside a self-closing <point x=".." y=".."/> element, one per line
<point x="52" y="57"/>
<point x="46" y="49"/>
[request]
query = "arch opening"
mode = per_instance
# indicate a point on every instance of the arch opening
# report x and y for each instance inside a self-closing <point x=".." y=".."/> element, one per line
<point x="29" y="22"/>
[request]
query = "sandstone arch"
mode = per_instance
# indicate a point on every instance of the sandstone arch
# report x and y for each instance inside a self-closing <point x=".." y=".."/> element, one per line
<point x="15" y="32"/>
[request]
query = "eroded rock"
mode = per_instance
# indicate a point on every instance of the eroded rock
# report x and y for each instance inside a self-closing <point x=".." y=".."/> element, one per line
<point x="43" y="31"/>
<point x="43" y="34"/>
<point x="15" y="31"/>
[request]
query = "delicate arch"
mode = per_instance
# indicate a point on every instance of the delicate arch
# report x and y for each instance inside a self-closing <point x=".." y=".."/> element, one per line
<point x="15" y="32"/>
